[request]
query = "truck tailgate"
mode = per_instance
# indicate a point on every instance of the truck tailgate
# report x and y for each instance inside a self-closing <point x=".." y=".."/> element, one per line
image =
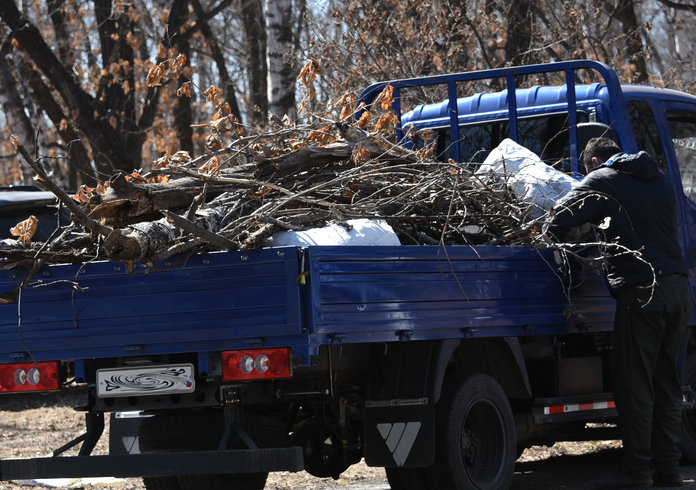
<point x="203" y="303"/>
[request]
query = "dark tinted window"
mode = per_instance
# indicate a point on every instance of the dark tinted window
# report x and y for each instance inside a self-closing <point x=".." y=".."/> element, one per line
<point x="683" y="129"/>
<point x="645" y="129"/>
<point x="546" y="135"/>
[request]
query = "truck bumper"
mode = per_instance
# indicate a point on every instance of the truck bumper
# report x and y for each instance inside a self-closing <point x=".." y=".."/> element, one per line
<point x="154" y="464"/>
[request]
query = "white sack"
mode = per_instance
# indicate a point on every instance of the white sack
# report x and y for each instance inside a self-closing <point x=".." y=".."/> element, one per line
<point x="529" y="178"/>
<point x="362" y="232"/>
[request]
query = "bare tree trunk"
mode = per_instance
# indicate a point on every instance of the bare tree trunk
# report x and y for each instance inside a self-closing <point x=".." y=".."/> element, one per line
<point x="108" y="119"/>
<point x="81" y="170"/>
<point x="16" y="117"/>
<point x="252" y="18"/>
<point x="279" y="55"/>
<point x="63" y="34"/>
<point x="183" y="115"/>
<point x="626" y="14"/>
<point x="519" y="27"/>
<point x="219" y="57"/>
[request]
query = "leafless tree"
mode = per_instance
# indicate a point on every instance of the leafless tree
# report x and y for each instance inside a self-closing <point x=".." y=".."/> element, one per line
<point x="279" y="54"/>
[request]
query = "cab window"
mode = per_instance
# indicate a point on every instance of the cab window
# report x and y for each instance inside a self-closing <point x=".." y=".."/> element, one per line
<point x="683" y="130"/>
<point x="645" y="129"/>
<point x="546" y="135"/>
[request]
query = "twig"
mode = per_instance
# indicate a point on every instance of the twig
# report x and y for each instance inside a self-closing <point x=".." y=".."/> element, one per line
<point x="85" y="220"/>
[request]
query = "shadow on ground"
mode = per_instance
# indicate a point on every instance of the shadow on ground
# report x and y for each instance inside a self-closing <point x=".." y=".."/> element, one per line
<point x="579" y="472"/>
<point x="69" y="397"/>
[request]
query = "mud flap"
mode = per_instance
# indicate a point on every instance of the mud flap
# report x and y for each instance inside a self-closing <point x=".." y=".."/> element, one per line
<point x="400" y="432"/>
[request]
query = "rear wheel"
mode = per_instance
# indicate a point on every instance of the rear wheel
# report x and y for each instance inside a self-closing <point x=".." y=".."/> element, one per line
<point x="201" y="431"/>
<point x="475" y="444"/>
<point x="407" y="478"/>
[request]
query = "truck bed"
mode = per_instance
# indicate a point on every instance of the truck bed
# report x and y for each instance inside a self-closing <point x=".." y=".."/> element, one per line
<point x="303" y="298"/>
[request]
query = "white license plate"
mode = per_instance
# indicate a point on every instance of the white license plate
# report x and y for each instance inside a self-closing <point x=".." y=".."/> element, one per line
<point x="145" y="380"/>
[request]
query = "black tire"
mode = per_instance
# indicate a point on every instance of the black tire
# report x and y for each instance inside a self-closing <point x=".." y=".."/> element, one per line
<point x="689" y="416"/>
<point x="407" y="478"/>
<point x="161" y="483"/>
<point x="475" y="445"/>
<point x="201" y="431"/>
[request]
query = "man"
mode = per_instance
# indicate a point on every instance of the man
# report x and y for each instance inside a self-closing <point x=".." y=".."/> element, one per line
<point x="636" y="206"/>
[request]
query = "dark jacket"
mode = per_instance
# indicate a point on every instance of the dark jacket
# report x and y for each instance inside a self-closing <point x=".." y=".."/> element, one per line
<point x="641" y="206"/>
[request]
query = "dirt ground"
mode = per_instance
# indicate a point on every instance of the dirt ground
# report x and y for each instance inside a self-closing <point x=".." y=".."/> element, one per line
<point x="34" y="425"/>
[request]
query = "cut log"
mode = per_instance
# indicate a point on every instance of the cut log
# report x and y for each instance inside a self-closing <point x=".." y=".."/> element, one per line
<point x="125" y="202"/>
<point x="139" y="241"/>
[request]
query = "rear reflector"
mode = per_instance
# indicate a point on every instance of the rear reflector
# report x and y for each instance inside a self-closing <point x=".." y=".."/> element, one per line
<point x="256" y="364"/>
<point x="29" y="376"/>
<point x="578" y="407"/>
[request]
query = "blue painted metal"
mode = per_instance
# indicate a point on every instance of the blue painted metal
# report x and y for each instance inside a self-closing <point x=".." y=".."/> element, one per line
<point x="453" y="117"/>
<point x="512" y="107"/>
<point x="573" y="120"/>
<point x="214" y="301"/>
<point x="226" y="300"/>
<point x="512" y="98"/>
<point x="368" y="294"/>
<point x="494" y="105"/>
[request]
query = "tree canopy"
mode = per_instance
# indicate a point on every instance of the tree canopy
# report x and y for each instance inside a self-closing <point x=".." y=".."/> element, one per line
<point x="92" y="87"/>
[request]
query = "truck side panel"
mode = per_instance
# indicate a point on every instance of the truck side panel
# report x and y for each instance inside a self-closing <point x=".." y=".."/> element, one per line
<point x="202" y="304"/>
<point x="364" y="294"/>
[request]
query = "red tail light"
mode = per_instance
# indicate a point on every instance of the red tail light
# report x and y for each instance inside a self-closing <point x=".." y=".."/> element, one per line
<point x="256" y="363"/>
<point x="29" y="376"/>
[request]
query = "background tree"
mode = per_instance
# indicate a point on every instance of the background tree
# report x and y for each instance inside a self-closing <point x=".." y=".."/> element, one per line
<point x="279" y="53"/>
<point x="104" y="85"/>
<point x="257" y="69"/>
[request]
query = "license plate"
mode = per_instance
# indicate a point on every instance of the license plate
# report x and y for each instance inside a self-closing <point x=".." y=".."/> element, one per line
<point x="145" y="380"/>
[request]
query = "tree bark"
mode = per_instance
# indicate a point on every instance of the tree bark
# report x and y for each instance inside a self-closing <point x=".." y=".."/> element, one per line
<point x="63" y="34"/>
<point x="108" y="120"/>
<point x="126" y="202"/>
<point x="114" y="106"/>
<point x="218" y="57"/>
<point x="626" y="14"/>
<point x="152" y="97"/>
<point x="678" y="5"/>
<point x="106" y="142"/>
<point x="81" y="171"/>
<point x="252" y="19"/>
<point x="13" y="108"/>
<point x="183" y="115"/>
<point x="139" y="241"/>
<point x="279" y="55"/>
<point x="519" y="27"/>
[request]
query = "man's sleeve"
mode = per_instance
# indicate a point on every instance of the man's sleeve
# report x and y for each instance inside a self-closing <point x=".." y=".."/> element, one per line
<point x="573" y="215"/>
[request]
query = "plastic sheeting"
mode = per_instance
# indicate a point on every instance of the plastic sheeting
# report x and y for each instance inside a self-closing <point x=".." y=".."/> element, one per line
<point x="528" y="177"/>
<point x="357" y="232"/>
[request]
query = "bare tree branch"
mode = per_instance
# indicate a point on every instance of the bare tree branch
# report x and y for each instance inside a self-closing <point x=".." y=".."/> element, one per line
<point x="678" y="5"/>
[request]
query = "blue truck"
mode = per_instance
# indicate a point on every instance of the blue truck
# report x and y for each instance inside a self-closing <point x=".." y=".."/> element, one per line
<point x="440" y="364"/>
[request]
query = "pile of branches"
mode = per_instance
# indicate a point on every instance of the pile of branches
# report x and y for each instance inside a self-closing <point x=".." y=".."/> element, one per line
<point x="288" y="178"/>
